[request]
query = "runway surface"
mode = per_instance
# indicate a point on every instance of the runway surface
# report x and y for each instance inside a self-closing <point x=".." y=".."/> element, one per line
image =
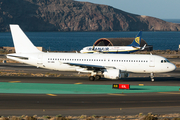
<point x="89" y="104"/>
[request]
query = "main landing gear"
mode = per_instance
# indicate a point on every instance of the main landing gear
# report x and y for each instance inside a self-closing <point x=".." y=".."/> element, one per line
<point x="97" y="77"/>
<point x="152" y="77"/>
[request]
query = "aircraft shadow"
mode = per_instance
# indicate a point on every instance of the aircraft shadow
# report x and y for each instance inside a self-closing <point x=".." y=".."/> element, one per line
<point x="155" y="78"/>
<point x="130" y="79"/>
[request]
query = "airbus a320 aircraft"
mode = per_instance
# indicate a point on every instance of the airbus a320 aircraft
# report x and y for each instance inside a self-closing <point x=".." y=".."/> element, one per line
<point x="111" y="66"/>
<point x="133" y="47"/>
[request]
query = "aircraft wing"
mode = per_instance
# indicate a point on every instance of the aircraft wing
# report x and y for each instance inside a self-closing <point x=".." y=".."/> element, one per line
<point x="89" y="66"/>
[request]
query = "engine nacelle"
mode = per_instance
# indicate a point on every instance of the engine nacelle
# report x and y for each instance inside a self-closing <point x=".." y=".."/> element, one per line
<point x="112" y="73"/>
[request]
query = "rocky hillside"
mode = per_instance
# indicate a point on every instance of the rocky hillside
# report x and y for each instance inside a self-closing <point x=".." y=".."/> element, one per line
<point x="70" y="15"/>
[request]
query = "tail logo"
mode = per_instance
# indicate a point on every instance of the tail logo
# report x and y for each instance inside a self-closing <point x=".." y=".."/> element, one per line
<point x="137" y="39"/>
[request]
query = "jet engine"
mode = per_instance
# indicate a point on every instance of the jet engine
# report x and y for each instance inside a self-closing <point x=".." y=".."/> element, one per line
<point x="114" y="74"/>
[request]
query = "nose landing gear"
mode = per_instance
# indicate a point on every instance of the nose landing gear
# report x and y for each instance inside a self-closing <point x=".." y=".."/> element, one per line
<point x="152" y="77"/>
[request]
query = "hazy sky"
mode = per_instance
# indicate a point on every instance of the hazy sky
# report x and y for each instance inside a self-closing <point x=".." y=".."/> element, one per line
<point x="163" y="9"/>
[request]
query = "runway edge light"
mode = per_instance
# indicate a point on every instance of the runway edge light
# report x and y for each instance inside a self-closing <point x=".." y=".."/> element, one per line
<point x="121" y="86"/>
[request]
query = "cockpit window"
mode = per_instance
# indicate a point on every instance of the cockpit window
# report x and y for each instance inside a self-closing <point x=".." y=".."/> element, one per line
<point x="167" y="60"/>
<point x="164" y="61"/>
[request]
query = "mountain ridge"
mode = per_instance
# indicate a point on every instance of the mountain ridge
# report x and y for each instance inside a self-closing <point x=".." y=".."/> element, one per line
<point x="70" y="15"/>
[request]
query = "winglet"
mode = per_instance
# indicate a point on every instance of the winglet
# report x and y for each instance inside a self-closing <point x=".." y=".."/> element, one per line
<point x="143" y="47"/>
<point x="21" y="42"/>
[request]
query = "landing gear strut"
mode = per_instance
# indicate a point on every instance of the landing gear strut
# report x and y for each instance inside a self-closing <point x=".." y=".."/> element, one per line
<point x="152" y="77"/>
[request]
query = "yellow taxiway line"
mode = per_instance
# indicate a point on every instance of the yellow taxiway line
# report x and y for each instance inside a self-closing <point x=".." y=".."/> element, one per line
<point x="51" y="94"/>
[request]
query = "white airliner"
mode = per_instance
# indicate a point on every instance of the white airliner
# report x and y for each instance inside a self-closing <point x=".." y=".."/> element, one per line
<point x="133" y="47"/>
<point x="111" y="66"/>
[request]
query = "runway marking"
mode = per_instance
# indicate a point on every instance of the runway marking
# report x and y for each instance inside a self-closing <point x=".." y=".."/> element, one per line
<point x="168" y="93"/>
<point x="118" y="94"/>
<point x="14" y="81"/>
<point x="51" y="94"/>
<point x="77" y="83"/>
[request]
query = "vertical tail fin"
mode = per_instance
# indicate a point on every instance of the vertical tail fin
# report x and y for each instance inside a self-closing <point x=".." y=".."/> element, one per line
<point x="137" y="40"/>
<point x="21" y="42"/>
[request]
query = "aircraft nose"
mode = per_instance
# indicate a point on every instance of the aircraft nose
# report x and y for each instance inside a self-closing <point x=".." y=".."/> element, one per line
<point x="172" y="67"/>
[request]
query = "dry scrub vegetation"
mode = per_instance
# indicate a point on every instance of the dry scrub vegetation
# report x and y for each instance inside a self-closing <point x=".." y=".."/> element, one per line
<point x="30" y="74"/>
<point x="140" y="116"/>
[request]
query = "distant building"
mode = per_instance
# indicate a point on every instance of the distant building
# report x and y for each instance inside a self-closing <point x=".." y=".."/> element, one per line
<point x="12" y="49"/>
<point x="9" y="49"/>
<point x="41" y="48"/>
<point x="121" y="42"/>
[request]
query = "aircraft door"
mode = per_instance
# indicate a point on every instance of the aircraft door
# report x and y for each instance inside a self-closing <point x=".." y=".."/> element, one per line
<point x="152" y="62"/>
